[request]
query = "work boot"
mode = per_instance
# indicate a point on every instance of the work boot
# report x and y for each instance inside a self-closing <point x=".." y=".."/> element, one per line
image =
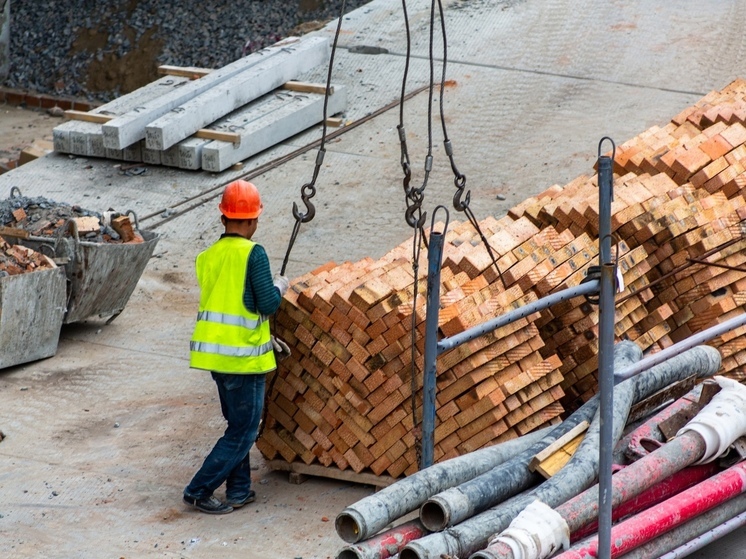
<point x="209" y="505"/>
<point x="238" y="504"/>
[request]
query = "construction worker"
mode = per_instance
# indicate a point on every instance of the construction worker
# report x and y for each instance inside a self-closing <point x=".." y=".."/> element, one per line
<point x="232" y="340"/>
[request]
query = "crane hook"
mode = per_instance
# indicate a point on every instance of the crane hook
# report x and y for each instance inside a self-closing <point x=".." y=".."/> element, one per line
<point x="308" y="191"/>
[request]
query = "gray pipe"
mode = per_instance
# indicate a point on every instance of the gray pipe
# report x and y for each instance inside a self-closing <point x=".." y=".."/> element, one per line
<point x="474" y="533"/>
<point x="479" y="494"/>
<point x="370" y="515"/>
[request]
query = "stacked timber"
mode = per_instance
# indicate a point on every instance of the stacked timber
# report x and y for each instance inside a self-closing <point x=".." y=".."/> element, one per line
<point x="344" y="398"/>
<point x="194" y="118"/>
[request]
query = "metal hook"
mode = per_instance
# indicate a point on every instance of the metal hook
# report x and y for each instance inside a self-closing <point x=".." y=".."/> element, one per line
<point x="15" y="189"/>
<point x="306" y="198"/>
<point x="411" y="219"/>
<point x="457" y="203"/>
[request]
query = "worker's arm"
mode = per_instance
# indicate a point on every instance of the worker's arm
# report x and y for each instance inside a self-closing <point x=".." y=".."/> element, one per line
<point x="260" y="294"/>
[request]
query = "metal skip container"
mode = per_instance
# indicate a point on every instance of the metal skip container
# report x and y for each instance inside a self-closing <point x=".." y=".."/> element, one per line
<point x="101" y="276"/>
<point x="32" y="307"/>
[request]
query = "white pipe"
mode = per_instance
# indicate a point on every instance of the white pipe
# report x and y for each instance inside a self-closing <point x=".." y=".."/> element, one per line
<point x="722" y="421"/>
<point x="538" y="531"/>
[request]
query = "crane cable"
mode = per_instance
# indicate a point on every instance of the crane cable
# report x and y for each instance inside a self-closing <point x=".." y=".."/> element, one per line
<point x="414" y="216"/>
<point x="308" y="191"/>
<point x="459" y="179"/>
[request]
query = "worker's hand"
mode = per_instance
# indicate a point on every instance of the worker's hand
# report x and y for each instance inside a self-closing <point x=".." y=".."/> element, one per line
<point x="282" y="283"/>
<point x="282" y="350"/>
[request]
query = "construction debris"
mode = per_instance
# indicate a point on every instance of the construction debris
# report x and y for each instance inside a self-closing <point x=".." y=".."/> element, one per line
<point x="17" y="259"/>
<point x="42" y="217"/>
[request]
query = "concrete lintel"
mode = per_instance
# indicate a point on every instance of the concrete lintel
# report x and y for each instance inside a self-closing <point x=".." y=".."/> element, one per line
<point x="270" y="123"/>
<point x="184" y="120"/>
<point x="130" y="127"/>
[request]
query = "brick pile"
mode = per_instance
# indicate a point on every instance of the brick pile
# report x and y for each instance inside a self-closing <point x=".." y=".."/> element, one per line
<point x="343" y="400"/>
<point x="17" y="259"/>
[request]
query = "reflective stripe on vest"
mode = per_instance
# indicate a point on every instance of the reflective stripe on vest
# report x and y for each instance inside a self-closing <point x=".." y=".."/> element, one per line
<point x="228" y="338"/>
<point x="231" y="351"/>
<point x="231" y="319"/>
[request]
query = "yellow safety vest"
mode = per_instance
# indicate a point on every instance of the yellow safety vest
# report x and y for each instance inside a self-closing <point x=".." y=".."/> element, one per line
<point x="228" y="338"/>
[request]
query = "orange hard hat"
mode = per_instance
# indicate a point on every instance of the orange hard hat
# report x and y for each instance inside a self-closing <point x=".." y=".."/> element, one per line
<point x="241" y="201"/>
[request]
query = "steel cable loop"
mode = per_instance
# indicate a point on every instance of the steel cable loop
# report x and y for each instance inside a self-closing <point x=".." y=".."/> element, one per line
<point x="415" y="218"/>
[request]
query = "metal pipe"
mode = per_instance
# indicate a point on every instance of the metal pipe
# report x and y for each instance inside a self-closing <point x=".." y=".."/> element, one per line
<point x="657" y="520"/>
<point x="579" y="473"/>
<point x="434" y="258"/>
<point x="473" y="534"/>
<point x="688" y="343"/>
<point x="588" y="288"/>
<point x="631" y="447"/>
<point x="699" y="532"/>
<point x="370" y="515"/>
<point x="639" y="476"/>
<point x="478" y="494"/>
<point x="606" y="408"/>
<point x="384" y="545"/>
<point x="605" y="349"/>
<point x="670" y="486"/>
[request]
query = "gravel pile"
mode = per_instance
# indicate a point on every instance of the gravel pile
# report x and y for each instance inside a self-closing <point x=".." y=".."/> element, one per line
<point x="100" y="49"/>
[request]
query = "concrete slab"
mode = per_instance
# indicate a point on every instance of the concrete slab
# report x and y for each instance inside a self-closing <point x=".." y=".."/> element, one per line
<point x="536" y="86"/>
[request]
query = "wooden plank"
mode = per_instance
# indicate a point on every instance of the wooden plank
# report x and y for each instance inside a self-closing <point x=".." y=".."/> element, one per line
<point x="191" y="72"/>
<point x="557" y="445"/>
<point x="305" y="87"/>
<point x="556" y="461"/>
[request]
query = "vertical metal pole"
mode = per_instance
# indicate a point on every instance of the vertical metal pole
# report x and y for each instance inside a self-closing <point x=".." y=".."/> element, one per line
<point x="434" y="257"/>
<point x="605" y="353"/>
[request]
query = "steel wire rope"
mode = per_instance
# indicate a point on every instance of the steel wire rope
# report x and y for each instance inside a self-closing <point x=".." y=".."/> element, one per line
<point x="308" y="191"/>
<point x="459" y="179"/>
<point x="414" y="196"/>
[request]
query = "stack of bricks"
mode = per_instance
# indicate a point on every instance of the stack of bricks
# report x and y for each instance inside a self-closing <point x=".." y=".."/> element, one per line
<point x="344" y="397"/>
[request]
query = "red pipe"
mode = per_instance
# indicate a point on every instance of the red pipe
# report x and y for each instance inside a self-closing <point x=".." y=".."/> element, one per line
<point x="657" y="520"/>
<point x="670" y="486"/>
<point x="386" y="544"/>
<point x="648" y="434"/>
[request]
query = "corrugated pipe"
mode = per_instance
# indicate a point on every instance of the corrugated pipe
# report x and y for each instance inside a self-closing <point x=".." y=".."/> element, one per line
<point x="474" y="533"/>
<point x="692" y="536"/>
<point x="657" y="520"/>
<point x="479" y="494"/>
<point x="370" y="515"/>
<point x="703" y="439"/>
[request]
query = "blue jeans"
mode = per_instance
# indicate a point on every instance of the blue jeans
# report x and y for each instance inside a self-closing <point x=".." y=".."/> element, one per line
<point x="241" y="399"/>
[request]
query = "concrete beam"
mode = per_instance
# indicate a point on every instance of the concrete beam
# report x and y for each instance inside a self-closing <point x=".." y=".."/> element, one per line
<point x="130" y="127"/>
<point x="87" y="138"/>
<point x="271" y="73"/>
<point x="268" y="121"/>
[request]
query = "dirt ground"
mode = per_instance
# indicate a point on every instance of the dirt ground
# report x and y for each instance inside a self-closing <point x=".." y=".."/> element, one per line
<point x="20" y="127"/>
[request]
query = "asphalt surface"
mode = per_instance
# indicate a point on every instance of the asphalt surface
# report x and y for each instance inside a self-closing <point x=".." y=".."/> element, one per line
<point x="102" y="438"/>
